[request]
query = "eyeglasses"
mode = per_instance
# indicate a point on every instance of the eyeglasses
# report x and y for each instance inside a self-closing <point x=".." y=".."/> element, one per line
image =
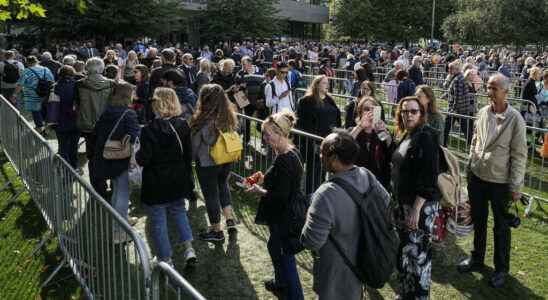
<point x="410" y="111"/>
<point x="368" y="108"/>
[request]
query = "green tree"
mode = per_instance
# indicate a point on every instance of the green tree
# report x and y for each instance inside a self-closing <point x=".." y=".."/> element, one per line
<point x="23" y="9"/>
<point x="498" y="21"/>
<point x="236" y="19"/>
<point x="388" y="20"/>
<point x="111" y="19"/>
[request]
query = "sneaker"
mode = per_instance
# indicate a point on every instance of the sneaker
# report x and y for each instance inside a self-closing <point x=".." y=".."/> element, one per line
<point x="498" y="279"/>
<point x="273" y="287"/>
<point x="212" y="236"/>
<point x="468" y="265"/>
<point x="231" y="226"/>
<point x="132" y="221"/>
<point x="190" y="257"/>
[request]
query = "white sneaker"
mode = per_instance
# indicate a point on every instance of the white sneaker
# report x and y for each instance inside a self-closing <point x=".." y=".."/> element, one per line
<point x="190" y="257"/>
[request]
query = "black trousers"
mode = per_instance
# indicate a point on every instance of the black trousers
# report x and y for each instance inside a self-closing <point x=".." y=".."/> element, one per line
<point x="481" y="193"/>
<point x="249" y="111"/>
<point x="466" y="126"/>
<point x="99" y="184"/>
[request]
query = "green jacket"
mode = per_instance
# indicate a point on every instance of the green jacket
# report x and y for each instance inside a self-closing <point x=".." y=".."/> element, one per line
<point x="94" y="92"/>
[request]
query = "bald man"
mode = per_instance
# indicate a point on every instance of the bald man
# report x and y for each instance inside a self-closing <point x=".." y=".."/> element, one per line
<point x="498" y="155"/>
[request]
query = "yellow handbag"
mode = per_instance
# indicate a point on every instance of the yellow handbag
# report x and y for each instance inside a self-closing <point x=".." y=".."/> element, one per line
<point x="227" y="149"/>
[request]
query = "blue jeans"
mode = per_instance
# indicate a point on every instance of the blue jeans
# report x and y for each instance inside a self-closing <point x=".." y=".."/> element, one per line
<point x="120" y="194"/>
<point x="285" y="266"/>
<point x="38" y="119"/>
<point x="158" y="219"/>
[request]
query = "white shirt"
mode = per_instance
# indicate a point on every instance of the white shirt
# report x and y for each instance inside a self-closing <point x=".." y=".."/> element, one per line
<point x="273" y="101"/>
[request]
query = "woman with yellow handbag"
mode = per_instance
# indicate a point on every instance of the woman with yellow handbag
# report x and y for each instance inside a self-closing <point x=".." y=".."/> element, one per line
<point x="215" y="145"/>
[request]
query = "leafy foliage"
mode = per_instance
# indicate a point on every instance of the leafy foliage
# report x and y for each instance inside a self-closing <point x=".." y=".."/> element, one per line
<point x="111" y="19"/>
<point x="498" y="21"/>
<point x="238" y="19"/>
<point x="389" y="20"/>
<point x="23" y="9"/>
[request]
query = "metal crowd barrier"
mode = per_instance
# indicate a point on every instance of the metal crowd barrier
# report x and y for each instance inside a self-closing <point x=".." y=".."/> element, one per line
<point x="169" y="283"/>
<point x="85" y="225"/>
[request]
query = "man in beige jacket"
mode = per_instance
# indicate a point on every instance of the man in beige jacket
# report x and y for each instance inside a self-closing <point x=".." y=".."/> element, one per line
<point x="498" y="155"/>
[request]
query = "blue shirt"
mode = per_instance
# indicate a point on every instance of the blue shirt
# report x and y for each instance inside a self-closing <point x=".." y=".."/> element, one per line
<point x="29" y="82"/>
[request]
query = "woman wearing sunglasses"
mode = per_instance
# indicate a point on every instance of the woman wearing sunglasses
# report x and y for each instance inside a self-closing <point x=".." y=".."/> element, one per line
<point x="414" y="186"/>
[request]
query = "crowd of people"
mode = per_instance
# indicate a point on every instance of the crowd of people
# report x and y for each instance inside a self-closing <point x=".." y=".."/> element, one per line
<point x="171" y="107"/>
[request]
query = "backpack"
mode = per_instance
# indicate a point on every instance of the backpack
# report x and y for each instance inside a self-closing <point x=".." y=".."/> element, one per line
<point x="43" y="87"/>
<point x="378" y="240"/>
<point x="449" y="178"/>
<point x="11" y="72"/>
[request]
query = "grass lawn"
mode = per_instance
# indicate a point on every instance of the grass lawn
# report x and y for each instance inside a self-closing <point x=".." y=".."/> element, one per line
<point x="21" y="228"/>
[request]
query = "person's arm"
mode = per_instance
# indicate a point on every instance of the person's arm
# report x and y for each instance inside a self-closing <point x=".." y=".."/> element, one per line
<point x="319" y="221"/>
<point x="518" y="155"/>
<point x="271" y="100"/>
<point x="144" y="155"/>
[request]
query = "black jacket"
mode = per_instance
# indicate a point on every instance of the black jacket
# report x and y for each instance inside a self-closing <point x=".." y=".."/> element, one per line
<point x="418" y="173"/>
<point x="167" y="172"/>
<point x="530" y="91"/>
<point x="415" y="74"/>
<point x="128" y="125"/>
<point x="310" y="116"/>
<point x="156" y="78"/>
<point x="282" y="181"/>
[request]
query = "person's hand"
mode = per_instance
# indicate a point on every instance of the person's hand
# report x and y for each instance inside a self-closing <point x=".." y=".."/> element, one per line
<point x="256" y="189"/>
<point x="412" y="219"/>
<point x="366" y="121"/>
<point x="235" y="88"/>
<point x="380" y="126"/>
<point x="516" y="196"/>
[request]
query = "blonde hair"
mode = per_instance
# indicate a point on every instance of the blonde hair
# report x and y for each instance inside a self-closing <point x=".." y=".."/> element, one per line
<point x="314" y="88"/>
<point x="205" y="66"/>
<point x="533" y="71"/>
<point x="227" y="62"/>
<point x="281" y="122"/>
<point x="166" y="103"/>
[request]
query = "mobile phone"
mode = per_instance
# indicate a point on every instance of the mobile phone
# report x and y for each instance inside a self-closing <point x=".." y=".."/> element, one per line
<point x="376" y="114"/>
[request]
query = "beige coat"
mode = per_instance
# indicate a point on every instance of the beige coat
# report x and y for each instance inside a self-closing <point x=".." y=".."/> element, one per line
<point x="499" y="147"/>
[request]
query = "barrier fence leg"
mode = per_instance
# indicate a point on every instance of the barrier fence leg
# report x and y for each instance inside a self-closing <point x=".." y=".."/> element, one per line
<point x="57" y="269"/>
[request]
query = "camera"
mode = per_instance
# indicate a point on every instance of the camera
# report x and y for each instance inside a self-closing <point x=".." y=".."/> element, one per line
<point x="513" y="220"/>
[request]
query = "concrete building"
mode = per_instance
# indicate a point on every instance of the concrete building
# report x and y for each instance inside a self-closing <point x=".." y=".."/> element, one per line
<point x="304" y="17"/>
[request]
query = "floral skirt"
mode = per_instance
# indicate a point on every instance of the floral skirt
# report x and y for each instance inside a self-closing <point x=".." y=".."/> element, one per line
<point x="415" y="258"/>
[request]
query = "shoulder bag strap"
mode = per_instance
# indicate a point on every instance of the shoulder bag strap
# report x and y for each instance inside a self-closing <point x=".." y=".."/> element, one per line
<point x="34" y="72"/>
<point x="354" y="195"/>
<point x="177" y="136"/>
<point x="117" y="123"/>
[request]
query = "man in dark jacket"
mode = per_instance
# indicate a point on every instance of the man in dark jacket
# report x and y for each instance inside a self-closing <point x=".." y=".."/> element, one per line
<point x="53" y="65"/>
<point x="415" y="71"/>
<point x="189" y="69"/>
<point x="251" y="78"/>
<point x="175" y="80"/>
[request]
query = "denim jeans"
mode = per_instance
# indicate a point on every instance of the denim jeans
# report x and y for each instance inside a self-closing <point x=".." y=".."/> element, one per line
<point x="120" y="194"/>
<point x="285" y="266"/>
<point x="38" y="119"/>
<point x="158" y="219"/>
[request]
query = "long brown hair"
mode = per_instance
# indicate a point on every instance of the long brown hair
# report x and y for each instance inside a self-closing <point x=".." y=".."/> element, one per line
<point x="371" y="87"/>
<point x="313" y="90"/>
<point x="400" y="126"/>
<point x="214" y="106"/>
<point x="429" y="93"/>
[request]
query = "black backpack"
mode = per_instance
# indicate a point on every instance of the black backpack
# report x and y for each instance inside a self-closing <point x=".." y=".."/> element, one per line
<point x="11" y="72"/>
<point x="378" y="241"/>
<point x="43" y="87"/>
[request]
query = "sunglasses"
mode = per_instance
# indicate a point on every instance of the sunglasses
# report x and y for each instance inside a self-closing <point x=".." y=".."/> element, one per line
<point x="410" y="111"/>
